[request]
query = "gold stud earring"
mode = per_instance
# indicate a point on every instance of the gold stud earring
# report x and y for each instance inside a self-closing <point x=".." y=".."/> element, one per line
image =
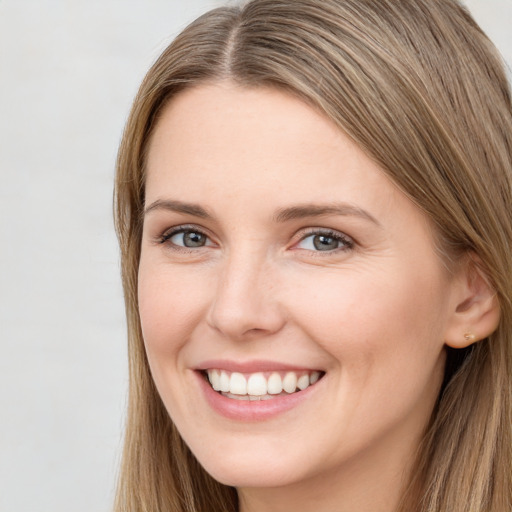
<point x="469" y="336"/>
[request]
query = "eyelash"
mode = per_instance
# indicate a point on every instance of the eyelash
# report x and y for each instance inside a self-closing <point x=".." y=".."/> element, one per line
<point x="167" y="235"/>
<point x="346" y="242"/>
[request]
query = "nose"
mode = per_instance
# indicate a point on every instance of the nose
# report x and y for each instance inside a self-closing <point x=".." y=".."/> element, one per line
<point x="245" y="302"/>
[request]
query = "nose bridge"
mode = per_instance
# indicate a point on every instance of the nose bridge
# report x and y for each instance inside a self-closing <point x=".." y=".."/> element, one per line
<point x="245" y="300"/>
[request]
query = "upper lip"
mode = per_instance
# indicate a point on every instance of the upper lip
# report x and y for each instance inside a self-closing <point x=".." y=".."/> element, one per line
<point x="257" y="365"/>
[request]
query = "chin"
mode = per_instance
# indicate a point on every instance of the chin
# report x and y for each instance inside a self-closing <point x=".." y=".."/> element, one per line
<point x="262" y="468"/>
<point x="249" y="475"/>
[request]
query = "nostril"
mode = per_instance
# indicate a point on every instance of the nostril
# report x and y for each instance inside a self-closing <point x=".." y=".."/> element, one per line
<point x="244" y="306"/>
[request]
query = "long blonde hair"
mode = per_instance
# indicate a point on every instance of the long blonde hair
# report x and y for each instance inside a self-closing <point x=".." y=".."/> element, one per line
<point x="419" y="87"/>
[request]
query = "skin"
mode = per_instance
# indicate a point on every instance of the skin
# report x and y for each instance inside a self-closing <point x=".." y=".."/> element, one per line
<point x="372" y="313"/>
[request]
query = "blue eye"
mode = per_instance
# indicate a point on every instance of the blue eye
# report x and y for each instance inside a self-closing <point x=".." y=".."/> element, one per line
<point x="324" y="242"/>
<point x="189" y="238"/>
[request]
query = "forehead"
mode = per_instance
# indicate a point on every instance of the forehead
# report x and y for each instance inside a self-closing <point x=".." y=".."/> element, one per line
<point x="221" y="134"/>
<point x="223" y="115"/>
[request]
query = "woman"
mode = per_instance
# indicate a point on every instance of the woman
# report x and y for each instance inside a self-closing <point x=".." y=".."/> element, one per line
<point x="313" y="206"/>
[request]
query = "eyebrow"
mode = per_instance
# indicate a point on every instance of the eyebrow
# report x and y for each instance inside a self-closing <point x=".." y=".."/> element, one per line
<point x="179" y="207"/>
<point x="319" y="210"/>
<point x="300" y="211"/>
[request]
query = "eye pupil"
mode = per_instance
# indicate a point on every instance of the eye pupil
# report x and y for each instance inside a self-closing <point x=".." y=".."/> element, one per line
<point x="325" y="243"/>
<point x="194" y="239"/>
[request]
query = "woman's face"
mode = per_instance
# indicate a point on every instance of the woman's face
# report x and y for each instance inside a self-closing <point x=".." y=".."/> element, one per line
<point x="276" y="254"/>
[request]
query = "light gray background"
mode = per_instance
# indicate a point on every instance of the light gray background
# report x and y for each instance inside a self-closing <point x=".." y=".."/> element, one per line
<point x="68" y="72"/>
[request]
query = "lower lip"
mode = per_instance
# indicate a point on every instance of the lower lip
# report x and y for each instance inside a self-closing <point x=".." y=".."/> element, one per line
<point x="252" y="410"/>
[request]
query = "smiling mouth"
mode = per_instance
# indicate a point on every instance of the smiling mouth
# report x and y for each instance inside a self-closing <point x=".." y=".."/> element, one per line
<point x="260" y="385"/>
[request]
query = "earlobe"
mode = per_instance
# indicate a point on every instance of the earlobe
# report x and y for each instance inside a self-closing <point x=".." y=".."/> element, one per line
<point x="476" y="311"/>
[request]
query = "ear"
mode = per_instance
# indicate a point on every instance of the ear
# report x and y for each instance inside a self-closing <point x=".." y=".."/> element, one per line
<point x="475" y="308"/>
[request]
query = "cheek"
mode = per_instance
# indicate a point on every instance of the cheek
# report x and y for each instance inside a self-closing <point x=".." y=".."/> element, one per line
<point x="385" y="343"/>
<point x="367" y="318"/>
<point x="170" y="305"/>
<point x="170" y="308"/>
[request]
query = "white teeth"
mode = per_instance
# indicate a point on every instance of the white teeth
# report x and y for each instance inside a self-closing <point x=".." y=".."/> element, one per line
<point x="290" y="382"/>
<point x="303" y="382"/>
<point x="275" y="384"/>
<point x="237" y="384"/>
<point x="237" y="397"/>
<point x="256" y="386"/>
<point x="215" y="380"/>
<point x="224" y="382"/>
<point x="313" y="377"/>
